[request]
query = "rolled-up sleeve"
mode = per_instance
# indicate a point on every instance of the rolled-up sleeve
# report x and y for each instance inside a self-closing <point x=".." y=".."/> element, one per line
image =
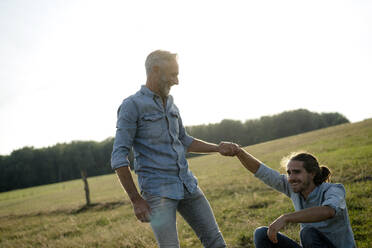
<point x="125" y="131"/>
<point x="185" y="139"/>
<point x="334" y="197"/>
<point x="273" y="179"/>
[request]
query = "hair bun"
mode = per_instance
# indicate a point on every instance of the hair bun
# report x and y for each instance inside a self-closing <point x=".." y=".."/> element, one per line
<point x="325" y="173"/>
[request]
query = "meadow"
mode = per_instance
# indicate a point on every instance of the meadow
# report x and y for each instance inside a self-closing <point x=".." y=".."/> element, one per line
<point x="55" y="215"/>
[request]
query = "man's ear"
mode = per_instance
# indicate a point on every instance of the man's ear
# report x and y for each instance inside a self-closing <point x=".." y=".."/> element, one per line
<point x="156" y="69"/>
<point x="154" y="73"/>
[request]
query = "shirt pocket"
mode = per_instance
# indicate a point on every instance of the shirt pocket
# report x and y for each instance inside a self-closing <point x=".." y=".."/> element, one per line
<point x="151" y="126"/>
<point x="173" y="121"/>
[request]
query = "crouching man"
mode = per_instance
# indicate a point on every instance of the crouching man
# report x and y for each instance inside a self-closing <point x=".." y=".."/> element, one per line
<point x="320" y="207"/>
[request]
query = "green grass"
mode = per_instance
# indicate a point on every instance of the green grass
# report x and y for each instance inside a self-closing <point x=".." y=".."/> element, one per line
<point x="54" y="216"/>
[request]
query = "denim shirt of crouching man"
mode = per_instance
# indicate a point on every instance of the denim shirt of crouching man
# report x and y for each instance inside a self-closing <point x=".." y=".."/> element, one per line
<point x="159" y="142"/>
<point x="337" y="229"/>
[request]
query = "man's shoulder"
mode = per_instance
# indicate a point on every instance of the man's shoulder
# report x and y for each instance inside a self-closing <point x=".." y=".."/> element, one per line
<point x="129" y="103"/>
<point x="134" y="96"/>
<point x="333" y="187"/>
<point x="138" y="96"/>
<point x="329" y="185"/>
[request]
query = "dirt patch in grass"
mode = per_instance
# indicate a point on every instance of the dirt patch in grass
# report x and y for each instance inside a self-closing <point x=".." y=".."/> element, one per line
<point x="363" y="179"/>
<point x="259" y="205"/>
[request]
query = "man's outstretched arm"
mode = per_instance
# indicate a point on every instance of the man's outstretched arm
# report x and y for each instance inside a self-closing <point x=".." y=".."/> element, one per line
<point x="141" y="208"/>
<point x="251" y="163"/>
<point x="224" y="148"/>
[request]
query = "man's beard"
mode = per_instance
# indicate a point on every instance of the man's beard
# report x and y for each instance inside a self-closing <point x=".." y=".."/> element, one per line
<point x="164" y="87"/>
<point x="301" y="186"/>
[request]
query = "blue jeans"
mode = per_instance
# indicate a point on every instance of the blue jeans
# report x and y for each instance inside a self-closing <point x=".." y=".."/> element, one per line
<point x="194" y="208"/>
<point x="310" y="238"/>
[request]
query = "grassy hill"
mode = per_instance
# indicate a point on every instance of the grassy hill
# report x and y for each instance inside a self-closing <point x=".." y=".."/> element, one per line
<point x="54" y="216"/>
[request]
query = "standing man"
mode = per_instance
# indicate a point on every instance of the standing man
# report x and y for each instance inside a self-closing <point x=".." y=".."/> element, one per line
<point x="320" y="207"/>
<point x="150" y="122"/>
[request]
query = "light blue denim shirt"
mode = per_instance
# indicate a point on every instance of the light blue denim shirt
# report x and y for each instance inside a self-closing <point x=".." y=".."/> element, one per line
<point x="337" y="229"/>
<point x="159" y="142"/>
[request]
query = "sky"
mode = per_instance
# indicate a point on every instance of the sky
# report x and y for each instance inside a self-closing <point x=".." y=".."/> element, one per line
<point x="66" y="66"/>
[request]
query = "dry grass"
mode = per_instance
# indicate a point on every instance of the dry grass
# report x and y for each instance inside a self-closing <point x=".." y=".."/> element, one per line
<point x="53" y="216"/>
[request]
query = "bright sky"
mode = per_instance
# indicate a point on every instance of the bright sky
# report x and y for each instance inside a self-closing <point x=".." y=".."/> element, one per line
<point x="65" y="66"/>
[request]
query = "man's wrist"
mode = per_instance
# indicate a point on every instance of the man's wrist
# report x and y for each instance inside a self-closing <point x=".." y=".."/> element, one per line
<point x="240" y="151"/>
<point x="286" y="218"/>
<point x="135" y="198"/>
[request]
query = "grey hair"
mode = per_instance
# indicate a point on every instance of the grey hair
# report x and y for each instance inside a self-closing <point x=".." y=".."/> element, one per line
<point x="158" y="58"/>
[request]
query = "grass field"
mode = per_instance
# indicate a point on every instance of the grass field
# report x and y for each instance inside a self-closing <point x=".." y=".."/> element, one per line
<point x="54" y="216"/>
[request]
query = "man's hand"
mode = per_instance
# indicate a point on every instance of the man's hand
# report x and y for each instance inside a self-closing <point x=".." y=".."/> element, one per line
<point x="275" y="227"/>
<point x="228" y="148"/>
<point x="141" y="209"/>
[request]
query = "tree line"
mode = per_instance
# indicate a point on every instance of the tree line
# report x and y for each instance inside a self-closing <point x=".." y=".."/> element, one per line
<point x="28" y="166"/>
<point x="266" y="128"/>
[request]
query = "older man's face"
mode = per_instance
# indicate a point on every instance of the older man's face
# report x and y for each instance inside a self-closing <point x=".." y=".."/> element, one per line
<point x="168" y="78"/>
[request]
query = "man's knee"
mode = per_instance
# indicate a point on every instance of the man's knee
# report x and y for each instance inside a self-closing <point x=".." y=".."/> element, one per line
<point x="211" y="238"/>
<point x="260" y="233"/>
<point x="216" y="242"/>
<point x="312" y="237"/>
<point x="308" y="235"/>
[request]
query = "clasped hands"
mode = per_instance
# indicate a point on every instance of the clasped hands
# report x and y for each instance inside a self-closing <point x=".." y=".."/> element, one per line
<point x="228" y="149"/>
<point x="232" y="149"/>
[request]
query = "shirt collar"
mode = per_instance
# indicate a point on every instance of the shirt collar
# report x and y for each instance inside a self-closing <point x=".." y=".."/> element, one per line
<point x="147" y="92"/>
<point x="313" y="194"/>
